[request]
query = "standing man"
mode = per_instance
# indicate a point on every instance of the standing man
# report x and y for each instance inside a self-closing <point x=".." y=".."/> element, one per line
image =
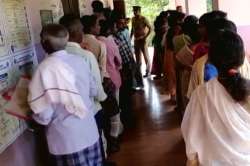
<point x="60" y="97"/>
<point x="179" y="9"/>
<point x="141" y="29"/>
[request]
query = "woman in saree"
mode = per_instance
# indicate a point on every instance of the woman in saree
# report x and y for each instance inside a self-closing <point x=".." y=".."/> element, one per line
<point x="184" y="58"/>
<point x="161" y="27"/>
<point x="216" y="125"/>
<point x="174" y="21"/>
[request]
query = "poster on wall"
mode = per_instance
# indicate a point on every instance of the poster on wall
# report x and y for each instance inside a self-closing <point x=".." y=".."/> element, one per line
<point x="17" y="57"/>
<point x="53" y="5"/>
<point x="46" y="17"/>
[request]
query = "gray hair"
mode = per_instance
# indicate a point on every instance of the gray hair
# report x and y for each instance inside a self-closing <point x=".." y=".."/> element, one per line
<point x="56" y="34"/>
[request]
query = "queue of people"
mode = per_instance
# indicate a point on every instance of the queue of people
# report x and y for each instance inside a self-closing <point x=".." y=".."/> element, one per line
<point x="207" y="75"/>
<point x="82" y="91"/>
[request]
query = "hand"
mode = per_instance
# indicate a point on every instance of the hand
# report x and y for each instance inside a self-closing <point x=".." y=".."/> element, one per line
<point x="144" y="37"/>
<point x="108" y="85"/>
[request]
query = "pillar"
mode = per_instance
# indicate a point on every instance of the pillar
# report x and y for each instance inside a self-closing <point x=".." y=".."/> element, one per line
<point x="120" y="6"/>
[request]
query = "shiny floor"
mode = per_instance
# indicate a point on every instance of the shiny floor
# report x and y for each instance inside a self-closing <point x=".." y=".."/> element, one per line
<point x="155" y="140"/>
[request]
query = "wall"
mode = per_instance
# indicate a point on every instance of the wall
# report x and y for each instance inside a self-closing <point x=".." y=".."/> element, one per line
<point x="197" y="7"/>
<point x="237" y="12"/>
<point x="29" y="149"/>
<point x="34" y="8"/>
<point x="244" y="31"/>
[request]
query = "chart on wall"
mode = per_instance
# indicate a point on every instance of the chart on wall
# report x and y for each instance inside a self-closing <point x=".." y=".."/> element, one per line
<point x="17" y="57"/>
<point x="51" y="11"/>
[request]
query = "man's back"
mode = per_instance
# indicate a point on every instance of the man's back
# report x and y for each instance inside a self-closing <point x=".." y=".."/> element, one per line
<point x="99" y="50"/>
<point x="66" y="133"/>
<point x="91" y="62"/>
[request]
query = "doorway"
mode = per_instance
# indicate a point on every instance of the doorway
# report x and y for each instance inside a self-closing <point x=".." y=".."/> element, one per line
<point x="71" y="7"/>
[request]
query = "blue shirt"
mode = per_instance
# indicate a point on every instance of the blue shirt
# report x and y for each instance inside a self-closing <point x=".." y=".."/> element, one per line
<point x="65" y="132"/>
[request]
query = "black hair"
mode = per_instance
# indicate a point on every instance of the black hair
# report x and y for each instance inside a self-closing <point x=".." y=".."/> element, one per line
<point x="97" y="6"/>
<point x="159" y="21"/>
<point x="88" y="21"/>
<point x="69" y="21"/>
<point x="158" y="24"/>
<point x="220" y="24"/>
<point x="174" y="17"/>
<point x="164" y="14"/>
<point x="136" y="8"/>
<point x="216" y="14"/>
<point x="226" y="52"/>
<point x="105" y="27"/>
<point x="115" y="16"/>
<point x="107" y="13"/>
<point x="206" y="18"/>
<point x="190" y="28"/>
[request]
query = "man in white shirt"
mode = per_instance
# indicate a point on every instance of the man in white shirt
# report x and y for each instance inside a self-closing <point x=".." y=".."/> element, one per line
<point x="60" y="97"/>
<point x="75" y="27"/>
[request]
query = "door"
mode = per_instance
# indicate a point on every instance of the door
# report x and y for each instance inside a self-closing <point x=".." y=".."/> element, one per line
<point x="71" y="7"/>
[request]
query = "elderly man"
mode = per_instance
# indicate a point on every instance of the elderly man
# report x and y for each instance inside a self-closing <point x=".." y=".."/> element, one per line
<point x="74" y="26"/>
<point x="60" y="97"/>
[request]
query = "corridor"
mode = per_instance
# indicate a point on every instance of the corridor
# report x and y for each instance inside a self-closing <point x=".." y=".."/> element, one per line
<point x="156" y="138"/>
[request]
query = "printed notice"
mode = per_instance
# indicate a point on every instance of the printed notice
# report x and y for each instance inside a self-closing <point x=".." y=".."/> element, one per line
<point x="17" y="25"/>
<point x="17" y="57"/>
<point x="4" y="74"/>
<point x="3" y="46"/>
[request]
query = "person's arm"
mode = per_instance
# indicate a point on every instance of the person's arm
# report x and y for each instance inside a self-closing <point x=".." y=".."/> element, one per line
<point x="193" y="83"/>
<point x="117" y="57"/>
<point x="103" y="61"/>
<point x="95" y="71"/>
<point x="132" y="29"/>
<point x="93" y="85"/>
<point x="192" y="128"/>
<point x="149" y="28"/>
<point x="45" y="117"/>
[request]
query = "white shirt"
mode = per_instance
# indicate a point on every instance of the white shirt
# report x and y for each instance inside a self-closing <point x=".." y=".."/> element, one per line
<point x="216" y="128"/>
<point x="66" y="133"/>
<point x="75" y="48"/>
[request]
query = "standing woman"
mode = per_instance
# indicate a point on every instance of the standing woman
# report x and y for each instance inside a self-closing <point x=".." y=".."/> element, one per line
<point x="174" y="21"/>
<point x="216" y="126"/>
<point x="160" y="27"/>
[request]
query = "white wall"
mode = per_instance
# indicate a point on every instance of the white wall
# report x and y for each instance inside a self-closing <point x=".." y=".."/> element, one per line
<point x="238" y="10"/>
<point x="197" y="7"/>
